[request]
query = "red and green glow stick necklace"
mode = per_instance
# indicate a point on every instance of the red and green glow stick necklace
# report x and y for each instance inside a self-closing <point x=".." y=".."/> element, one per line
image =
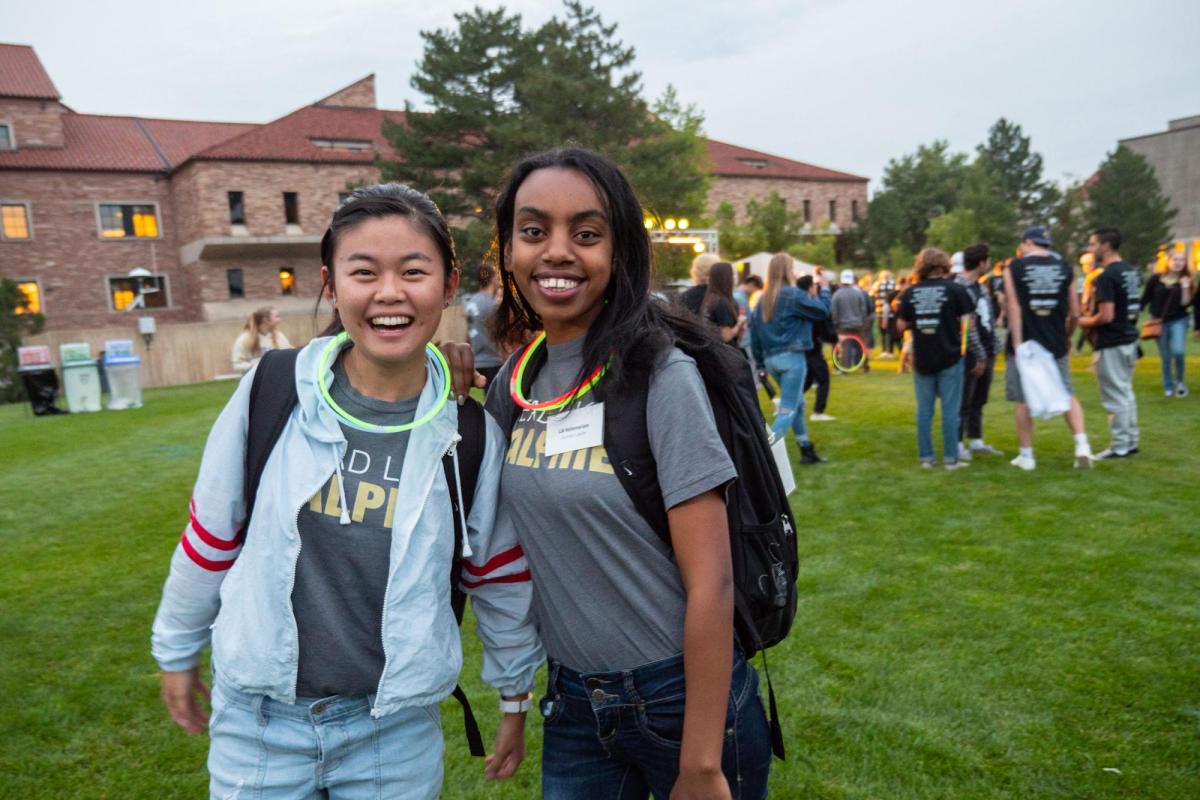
<point x="518" y="375"/>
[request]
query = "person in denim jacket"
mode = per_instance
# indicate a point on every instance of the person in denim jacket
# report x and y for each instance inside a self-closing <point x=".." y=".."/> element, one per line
<point x="781" y="331"/>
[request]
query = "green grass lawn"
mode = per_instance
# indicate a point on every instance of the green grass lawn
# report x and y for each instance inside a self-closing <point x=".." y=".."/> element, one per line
<point x="988" y="633"/>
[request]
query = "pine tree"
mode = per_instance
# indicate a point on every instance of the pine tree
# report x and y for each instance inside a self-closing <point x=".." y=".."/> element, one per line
<point x="1126" y="195"/>
<point x="1017" y="171"/>
<point x="498" y="92"/>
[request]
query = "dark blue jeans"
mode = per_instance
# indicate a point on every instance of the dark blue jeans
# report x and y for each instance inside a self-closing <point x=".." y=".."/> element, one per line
<point x="616" y="735"/>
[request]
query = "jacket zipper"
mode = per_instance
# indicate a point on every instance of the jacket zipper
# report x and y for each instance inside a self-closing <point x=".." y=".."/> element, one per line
<point x="387" y="591"/>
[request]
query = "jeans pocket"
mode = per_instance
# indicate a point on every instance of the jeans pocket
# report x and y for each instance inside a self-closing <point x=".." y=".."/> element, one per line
<point x="661" y="722"/>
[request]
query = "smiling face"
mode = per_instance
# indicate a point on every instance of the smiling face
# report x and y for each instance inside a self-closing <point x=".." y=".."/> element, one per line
<point x="561" y="250"/>
<point x="389" y="286"/>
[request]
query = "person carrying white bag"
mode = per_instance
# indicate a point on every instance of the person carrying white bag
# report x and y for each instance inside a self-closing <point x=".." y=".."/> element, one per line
<point x="1043" y="387"/>
<point x="1043" y="310"/>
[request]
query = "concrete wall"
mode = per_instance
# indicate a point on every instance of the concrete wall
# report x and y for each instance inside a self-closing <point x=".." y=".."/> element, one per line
<point x="1175" y="156"/>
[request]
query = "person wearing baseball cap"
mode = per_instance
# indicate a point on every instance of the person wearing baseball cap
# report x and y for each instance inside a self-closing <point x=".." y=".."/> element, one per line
<point x="1044" y="308"/>
<point x="853" y="312"/>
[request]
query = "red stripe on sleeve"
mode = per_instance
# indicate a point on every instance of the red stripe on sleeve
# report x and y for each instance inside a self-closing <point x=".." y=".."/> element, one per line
<point x="495" y="563"/>
<point x="208" y="538"/>
<point x="201" y="561"/>
<point x="516" y="577"/>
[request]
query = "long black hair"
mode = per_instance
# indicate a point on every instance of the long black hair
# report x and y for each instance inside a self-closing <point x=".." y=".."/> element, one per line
<point x="720" y="290"/>
<point x="377" y="202"/>
<point x="632" y="329"/>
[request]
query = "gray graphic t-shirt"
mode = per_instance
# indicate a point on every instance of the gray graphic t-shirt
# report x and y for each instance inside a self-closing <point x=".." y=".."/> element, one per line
<point x="343" y="569"/>
<point x="607" y="592"/>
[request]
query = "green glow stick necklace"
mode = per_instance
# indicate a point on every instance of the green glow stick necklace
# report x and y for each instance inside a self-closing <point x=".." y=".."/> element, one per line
<point x="326" y="362"/>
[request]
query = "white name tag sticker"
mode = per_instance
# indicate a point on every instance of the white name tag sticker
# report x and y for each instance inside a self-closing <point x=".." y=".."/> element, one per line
<point x="577" y="429"/>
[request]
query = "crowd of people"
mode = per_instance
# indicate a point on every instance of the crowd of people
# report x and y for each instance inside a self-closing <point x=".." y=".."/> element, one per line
<point x="950" y="317"/>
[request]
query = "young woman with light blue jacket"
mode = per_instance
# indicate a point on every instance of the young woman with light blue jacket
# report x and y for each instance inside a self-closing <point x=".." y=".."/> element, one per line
<point x="333" y="637"/>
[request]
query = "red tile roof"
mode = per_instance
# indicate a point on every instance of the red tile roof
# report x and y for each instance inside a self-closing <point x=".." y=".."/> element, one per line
<point x="22" y="74"/>
<point x="122" y="144"/>
<point x="729" y="160"/>
<point x="290" y="138"/>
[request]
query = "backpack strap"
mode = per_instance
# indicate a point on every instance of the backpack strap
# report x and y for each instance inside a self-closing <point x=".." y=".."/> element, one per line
<point x="472" y="430"/>
<point x="272" y="398"/>
<point x="627" y="440"/>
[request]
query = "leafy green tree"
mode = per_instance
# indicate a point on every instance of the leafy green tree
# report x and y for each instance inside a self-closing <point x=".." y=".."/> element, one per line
<point x="918" y="187"/>
<point x="16" y="321"/>
<point x="1009" y="157"/>
<point x="497" y="91"/>
<point x="996" y="219"/>
<point x="780" y="227"/>
<point x="1126" y="195"/>
<point x="953" y="230"/>
<point x="670" y="168"/>
<point x="820" y="250"/>
<point x="898" y="259"/>
<point x="737" y="240"/>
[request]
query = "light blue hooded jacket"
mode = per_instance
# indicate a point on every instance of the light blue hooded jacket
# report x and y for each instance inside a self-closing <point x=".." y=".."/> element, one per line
<point x="237" y="590"/>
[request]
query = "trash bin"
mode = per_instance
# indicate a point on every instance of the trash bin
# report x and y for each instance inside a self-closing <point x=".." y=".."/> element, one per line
<point x="40" y="379"/>
<point x="81" y="377"/>
<point x="124" y="370"/>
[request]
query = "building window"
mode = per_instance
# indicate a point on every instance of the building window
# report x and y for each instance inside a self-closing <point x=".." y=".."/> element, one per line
<point x="342" y="144"/>
<point x="15" y="221"/>
<point x="808" y="211"/>
<point x="854" y="210"/>
<point x="6" y="137"/>
<point x="757" y="163"/>
<point x="833" y="210"/>
<point x="287" y="280"/>
<point x="237" y="283"/>
<point x="237" y="208"/>
<point x="291" y="208"/>
<point x="33" y="297"/>
<point x="148" y="292"/>
<point x="128" y="221"/>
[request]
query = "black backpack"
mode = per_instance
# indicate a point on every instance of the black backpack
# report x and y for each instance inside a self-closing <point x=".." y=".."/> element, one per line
<point x="762" y="529"/>
<point x="272" y="398"/>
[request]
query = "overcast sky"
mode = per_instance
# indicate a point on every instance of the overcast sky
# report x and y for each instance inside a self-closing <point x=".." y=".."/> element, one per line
<point x="846" y="84"/>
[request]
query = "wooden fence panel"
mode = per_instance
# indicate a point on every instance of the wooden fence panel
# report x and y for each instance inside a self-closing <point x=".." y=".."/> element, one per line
<point x="195" y="352"/>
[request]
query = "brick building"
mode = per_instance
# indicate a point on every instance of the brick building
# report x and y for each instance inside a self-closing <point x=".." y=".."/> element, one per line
<point x="100" y="215"/>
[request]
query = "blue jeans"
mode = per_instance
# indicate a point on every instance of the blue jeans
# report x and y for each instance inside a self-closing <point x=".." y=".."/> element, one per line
<point x="788" y="370"/>
<point x="330" y="747"/>
<point x="1171" y="348"/>
<point x="617" y="735"/>
<point x="948" y="385"/>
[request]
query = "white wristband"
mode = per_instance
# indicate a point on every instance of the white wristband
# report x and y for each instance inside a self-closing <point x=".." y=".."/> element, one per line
<point x="516" y="706"/>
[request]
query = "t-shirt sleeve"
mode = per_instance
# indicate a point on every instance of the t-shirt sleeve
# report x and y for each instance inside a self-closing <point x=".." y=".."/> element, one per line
<point x="906" y="311"/>
<point x="722" y="316"/>
<point x="1106" y="288"/>
<point x="689" y="452"/>
<point x="965" y="306"/>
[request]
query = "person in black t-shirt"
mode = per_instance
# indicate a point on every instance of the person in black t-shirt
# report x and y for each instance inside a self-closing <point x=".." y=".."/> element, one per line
<point x="1117" y="290"/>
<point x="1042" y="308"/>
<point x="933" y="308"/>
<point x="718" y="307"/>
<point x="692" y="297"/>
<point x="981" y="354"/>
